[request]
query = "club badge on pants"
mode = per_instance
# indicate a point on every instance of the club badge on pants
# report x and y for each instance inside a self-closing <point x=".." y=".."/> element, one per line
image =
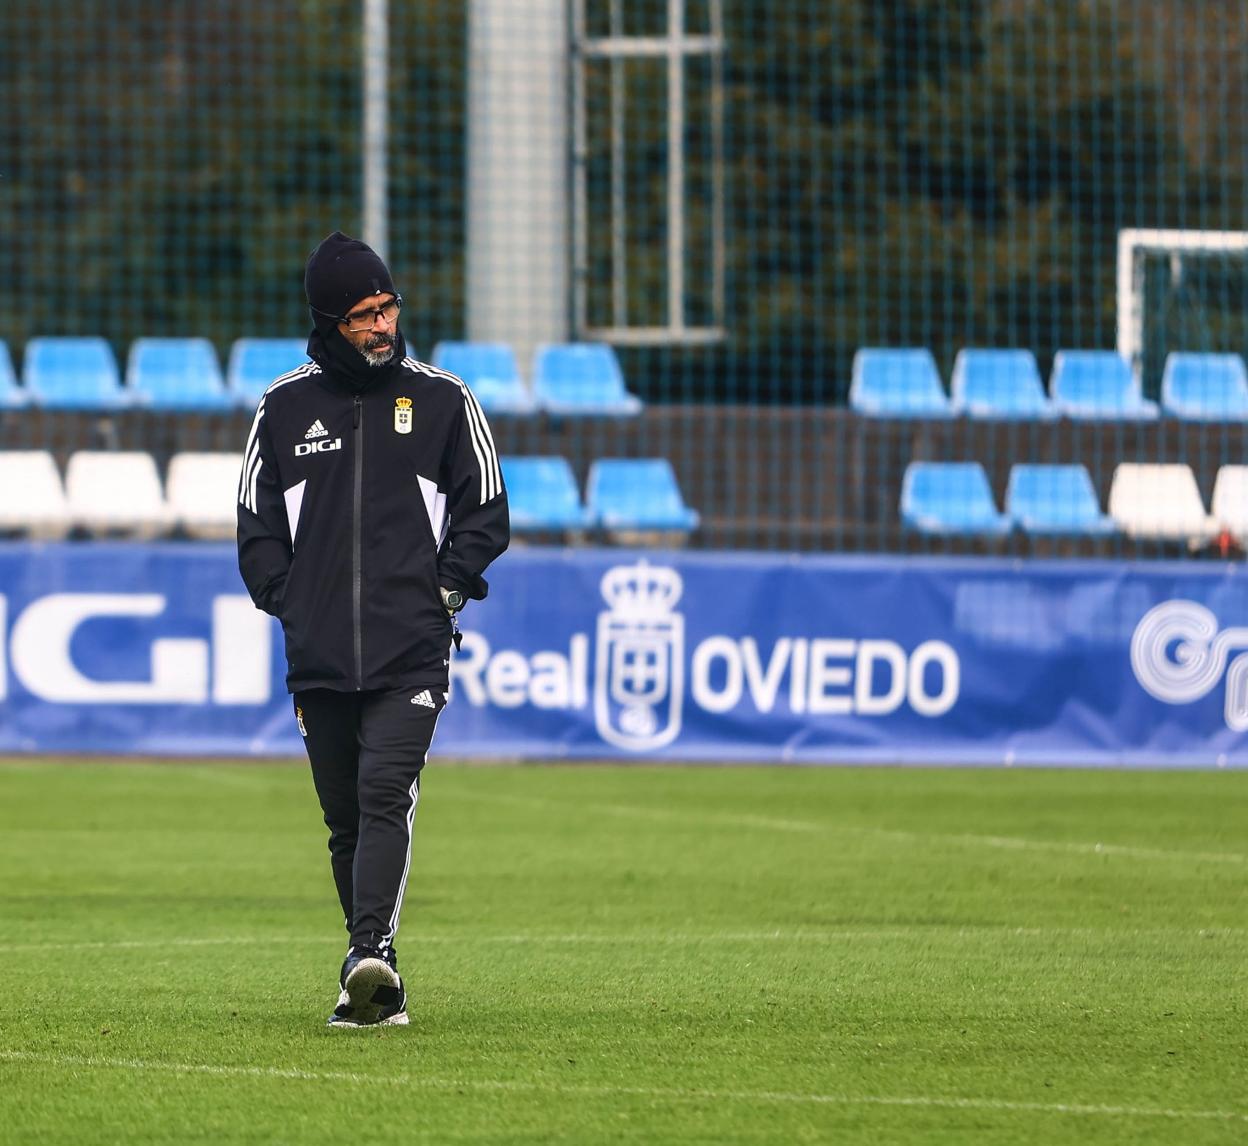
<point x="402" y="415"/>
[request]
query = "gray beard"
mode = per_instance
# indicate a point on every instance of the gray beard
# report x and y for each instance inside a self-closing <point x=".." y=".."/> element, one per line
<point x="378" y="357"/>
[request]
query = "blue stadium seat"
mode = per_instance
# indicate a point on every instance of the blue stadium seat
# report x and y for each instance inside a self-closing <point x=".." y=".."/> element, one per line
<point x="542" y="494"/>
<point x="490" y="370"/>
<point x="1055" y="499"/>
<point x="950" y="498"/>
<point x="1097" y="385"/>
<point x="1003" y="384"/>
<point x="176" y="374"/>
<point x="897" y="384"/>
<point x="1205" y="387"/>
<point x="637" y="494"/>
<point x="256" y="362"/>
<point x="73" y="374"/>
<point x="12" y="396"/>
<point x="581" y="378"/>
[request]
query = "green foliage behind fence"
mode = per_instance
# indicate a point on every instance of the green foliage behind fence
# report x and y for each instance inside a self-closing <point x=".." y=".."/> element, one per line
<point x="941" y="173"/>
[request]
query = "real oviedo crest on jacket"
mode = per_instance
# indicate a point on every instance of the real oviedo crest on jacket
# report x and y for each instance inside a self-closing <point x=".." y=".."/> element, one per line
<point x="402" y="415"/>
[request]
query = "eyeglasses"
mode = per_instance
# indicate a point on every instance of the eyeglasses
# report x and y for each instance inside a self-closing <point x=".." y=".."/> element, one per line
<point x="365" y="319"/>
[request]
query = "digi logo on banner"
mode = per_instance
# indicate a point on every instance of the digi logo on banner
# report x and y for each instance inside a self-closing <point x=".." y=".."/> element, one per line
<point x="231" y="667"/>
<point x="1178" y="656"/>
<point x="641" y="672"/>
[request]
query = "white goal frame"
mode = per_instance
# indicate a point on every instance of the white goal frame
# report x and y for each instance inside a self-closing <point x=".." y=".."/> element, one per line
<point x="1133" y="244"/>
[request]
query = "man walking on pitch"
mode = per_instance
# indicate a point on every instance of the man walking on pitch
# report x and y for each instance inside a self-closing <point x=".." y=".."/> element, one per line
<point x="370" y="503"/>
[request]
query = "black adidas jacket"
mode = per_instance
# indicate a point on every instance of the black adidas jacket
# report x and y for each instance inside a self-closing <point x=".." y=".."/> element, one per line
<point x="361" y="493"/>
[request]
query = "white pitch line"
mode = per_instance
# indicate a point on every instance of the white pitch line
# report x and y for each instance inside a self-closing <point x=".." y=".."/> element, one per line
<point x="698" y="1095"/>
<point x="773" y="823"/>
<point x="670" y="938"/>
<point x="1015" y="843"/>
<point x="159" y="944"/>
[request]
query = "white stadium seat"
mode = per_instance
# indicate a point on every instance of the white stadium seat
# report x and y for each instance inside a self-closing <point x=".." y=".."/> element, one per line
<point x="116" y="492"/>
<point x="1160" y="502"/>
<point x="32" y="498"/>
<point x="203" y="493"/>
<point x="1230" y="499"/>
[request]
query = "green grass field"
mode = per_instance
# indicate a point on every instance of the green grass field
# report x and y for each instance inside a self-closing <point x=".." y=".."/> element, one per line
<point x="633" y="954"/>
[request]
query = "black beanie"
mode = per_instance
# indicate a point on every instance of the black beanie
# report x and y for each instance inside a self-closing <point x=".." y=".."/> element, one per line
<point x="341" y="272"/>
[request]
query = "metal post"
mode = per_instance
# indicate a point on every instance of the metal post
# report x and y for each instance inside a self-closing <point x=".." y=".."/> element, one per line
<point x="675" y="167"/>
<point x="619" y="180"/>
<point x="718" y="212"/>
<point x="376" y="223"/>
<point x="517" y="257"/>
<point x="580" y="184"/>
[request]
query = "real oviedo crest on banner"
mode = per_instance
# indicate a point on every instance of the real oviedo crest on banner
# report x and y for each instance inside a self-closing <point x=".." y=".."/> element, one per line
<point x="639" y="680"/>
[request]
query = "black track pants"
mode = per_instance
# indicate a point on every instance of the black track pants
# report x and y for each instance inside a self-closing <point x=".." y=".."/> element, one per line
<point x="366" y="750"/>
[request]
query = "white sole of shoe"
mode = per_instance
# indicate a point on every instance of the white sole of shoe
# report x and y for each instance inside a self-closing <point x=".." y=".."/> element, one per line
<point x="399" y="1020"/>
<point x="366" y="976"/>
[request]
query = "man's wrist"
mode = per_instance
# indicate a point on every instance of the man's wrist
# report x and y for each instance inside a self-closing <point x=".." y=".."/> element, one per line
<point x="452" y="599"/>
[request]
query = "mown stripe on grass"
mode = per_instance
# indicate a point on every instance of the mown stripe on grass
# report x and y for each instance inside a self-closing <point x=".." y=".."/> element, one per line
<point x="773" y="823"/>
<point x="670" y="1093"/>
<point x="668" y="938"/>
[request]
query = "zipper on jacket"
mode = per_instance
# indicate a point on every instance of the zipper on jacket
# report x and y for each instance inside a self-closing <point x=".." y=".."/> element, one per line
<point x="357" y="511"/>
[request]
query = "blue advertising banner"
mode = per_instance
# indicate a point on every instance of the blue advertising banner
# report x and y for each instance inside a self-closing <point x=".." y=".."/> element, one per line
<point x="591" y="653"/>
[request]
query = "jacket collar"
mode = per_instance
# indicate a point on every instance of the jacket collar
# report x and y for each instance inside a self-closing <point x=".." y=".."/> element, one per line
<point x="343" y="367"/>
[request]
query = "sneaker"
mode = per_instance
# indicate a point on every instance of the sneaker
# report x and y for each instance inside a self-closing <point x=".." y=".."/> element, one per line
<point x="372" y="991"/>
